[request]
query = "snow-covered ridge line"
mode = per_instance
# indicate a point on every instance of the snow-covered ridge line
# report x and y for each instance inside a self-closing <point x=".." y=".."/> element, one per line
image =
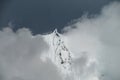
<point x="58" y="52"/>
<point x="61" y="50"/>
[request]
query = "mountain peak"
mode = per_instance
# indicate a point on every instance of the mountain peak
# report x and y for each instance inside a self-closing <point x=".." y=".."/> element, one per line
<point x="55" y="32"/>
<point x="59" y="53"/>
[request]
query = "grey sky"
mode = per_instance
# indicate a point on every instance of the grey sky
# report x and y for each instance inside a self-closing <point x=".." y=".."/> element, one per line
<point x="45" y="15"/>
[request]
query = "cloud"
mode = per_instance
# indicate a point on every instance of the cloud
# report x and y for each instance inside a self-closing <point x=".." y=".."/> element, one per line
<point x="98" y="37"/>
<point x="94" y="43"/>
<point x="20" y="57"/>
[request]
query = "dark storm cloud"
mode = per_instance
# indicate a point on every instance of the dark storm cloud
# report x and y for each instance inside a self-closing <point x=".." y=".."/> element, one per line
<point x="45" y="15"/>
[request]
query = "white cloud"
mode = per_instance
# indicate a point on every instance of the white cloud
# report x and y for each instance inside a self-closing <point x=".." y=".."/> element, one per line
<point x="20" y="57"/>
<point x="99" y="38"/>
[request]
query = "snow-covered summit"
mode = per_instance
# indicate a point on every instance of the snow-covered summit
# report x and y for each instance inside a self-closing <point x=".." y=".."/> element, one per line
<point x="58" y="52"/>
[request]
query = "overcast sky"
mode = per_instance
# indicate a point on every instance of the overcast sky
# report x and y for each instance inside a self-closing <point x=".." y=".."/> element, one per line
<point x="44" y="15"/>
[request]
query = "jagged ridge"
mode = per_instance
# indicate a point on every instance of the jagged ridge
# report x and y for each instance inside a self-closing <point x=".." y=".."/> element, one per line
<point x="58" y="52"/>
<point x="62" y="54"/>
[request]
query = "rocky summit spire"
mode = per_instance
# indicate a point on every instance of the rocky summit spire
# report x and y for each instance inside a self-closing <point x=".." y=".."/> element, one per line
<point x="58" y="52"/>
<point x="55" y="32"/>
<point x="61" y="53"/>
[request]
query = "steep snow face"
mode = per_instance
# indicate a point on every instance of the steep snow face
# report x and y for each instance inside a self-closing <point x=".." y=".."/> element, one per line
<point x="58" y="52"/>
